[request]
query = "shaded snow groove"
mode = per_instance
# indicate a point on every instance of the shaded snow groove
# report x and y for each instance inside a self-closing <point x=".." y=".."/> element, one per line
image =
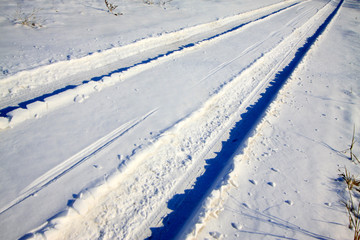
<point x="195" y="206"/>
<point x="130" y="202"/>
<point x="13" y="115"/>
<point x="72" y="162"/>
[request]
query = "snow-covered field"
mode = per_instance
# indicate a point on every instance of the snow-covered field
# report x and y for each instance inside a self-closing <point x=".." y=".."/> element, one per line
<point x="178" y="119"/>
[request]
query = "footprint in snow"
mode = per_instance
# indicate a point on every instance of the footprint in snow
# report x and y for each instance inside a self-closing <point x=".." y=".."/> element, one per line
<point x="246" y="205"/>
<point x="80" y="98"/>
<point x="252" y="181"/>
<point x="97" y="166"/>
<point x="272" y="184"/>
<point x="236" y="226"/>
<point x="289" y="202"/>
<point x="120" y="157"/>
<point x="216" y="235"/>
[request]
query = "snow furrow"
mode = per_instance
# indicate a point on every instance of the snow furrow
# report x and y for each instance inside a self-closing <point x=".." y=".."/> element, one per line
<point x="285" y="53"/>
<point x="133" y="200"/>
<point x="176" y="43"/>
<point x="213" y="201"/>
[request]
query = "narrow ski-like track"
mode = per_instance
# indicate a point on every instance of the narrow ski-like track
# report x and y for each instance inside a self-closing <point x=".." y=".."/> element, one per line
<point x="75" y="160"/>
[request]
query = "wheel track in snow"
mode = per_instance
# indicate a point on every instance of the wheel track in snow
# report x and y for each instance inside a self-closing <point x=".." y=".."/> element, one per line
<point x="72" y="162"/>
<point x="170" y="231"/>
<point x="212" y="201"/>
<point x="84" y="155"/>
<point x="132" y="201"/>
<point x="19" y="108"/>
<point x="253" y="47"/>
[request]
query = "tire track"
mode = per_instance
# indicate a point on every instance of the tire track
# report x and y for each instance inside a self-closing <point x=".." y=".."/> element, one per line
<point x="256" y="45"/>
<point x="10" y="116"/>
<point x="211" y="201"/>
<point x="137" y="199"/>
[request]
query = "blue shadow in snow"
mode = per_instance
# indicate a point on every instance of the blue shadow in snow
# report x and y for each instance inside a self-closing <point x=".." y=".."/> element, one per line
<point x="8" y="109"/>
<point x="185" y="205"/>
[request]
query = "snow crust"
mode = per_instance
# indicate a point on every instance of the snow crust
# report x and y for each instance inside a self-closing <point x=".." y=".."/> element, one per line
<point x="176" y="123"/>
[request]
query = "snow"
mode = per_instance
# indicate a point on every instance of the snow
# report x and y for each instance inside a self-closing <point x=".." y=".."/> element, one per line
<point x="297" y="150"/>
<point x="189" y="119"/>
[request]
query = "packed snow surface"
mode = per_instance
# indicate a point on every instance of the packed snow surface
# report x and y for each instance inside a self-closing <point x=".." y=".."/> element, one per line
<point x="178" y="119"/>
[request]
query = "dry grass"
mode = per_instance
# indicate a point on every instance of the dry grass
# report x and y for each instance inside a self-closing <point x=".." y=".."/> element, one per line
<point x="352" y="156"/>
<point x="352" y="205"/>
<point x="351" y="181"/>
<point x="27" y="19"/>
<point x="111" y="7"/>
